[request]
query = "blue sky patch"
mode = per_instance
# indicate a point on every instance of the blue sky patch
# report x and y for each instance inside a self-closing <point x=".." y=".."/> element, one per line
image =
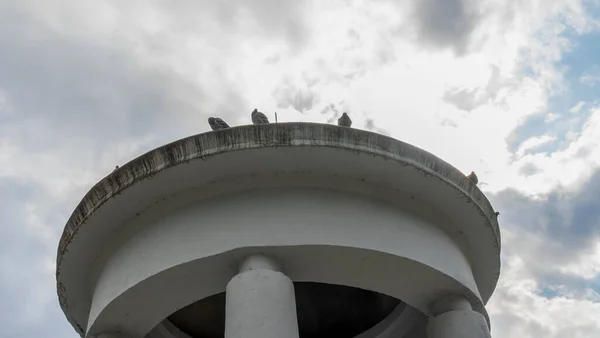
<point x="581" y="62"/>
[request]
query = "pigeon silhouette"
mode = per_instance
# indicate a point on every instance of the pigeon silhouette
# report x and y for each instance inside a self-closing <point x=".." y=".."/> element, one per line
<point x="345" y="121"/>
<point x="259" y="118"/>
<point x="473" y="177"/>
<point x="217" y="123"/>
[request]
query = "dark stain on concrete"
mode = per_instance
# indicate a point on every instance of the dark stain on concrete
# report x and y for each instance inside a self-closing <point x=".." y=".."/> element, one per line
<point x="205" y="145"/>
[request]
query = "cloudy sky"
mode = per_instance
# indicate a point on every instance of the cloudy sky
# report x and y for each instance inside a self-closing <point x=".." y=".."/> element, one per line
<point x="507" y="88"/>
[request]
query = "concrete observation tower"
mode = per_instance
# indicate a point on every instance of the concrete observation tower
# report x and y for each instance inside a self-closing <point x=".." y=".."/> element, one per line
<point x="281" y="231"/>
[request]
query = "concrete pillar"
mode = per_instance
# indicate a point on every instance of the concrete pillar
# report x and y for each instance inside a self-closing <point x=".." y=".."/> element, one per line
<point x="453" y="317"/>
<point x="260" y="302"/>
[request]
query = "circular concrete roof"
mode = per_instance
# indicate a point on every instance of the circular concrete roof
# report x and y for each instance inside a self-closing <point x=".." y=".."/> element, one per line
<point x="442" y="180"/>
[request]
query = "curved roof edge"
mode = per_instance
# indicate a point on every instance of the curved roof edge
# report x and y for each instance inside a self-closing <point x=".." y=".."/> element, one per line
<point x="211" y="143"/>
<point x="202" y="146"/>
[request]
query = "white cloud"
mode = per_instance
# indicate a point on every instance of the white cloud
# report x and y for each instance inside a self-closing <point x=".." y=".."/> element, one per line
<point x="590" y="80"/>
<point x="587" y="267"/>
<point x="577" y="108"/>
<point x="591" y="77"/>
<point x="139" y="74"/>
<point x="533" y="143"/>
<point x="519" y="307"/>
<point x="568" y="167"/>
<point x="519" y="310"/>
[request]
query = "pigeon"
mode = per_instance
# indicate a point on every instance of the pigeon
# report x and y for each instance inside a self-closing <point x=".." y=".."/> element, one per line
<point x="259" y="118"/>
<point x="497" y="214"/>
<point x="217" y="123"/>
<point x="345" y="121"/>
<point x="473" y="177"/>
<point x="116" y="167"/>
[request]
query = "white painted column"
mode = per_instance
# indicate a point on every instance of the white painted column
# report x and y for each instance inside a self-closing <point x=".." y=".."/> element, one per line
<point x="455" y="318"/>
<point x="260" y="302"/>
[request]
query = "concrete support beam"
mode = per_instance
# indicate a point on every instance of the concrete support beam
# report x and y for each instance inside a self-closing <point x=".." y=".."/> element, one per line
<point x="260" y="302"/>
<point x="454" y="318"/>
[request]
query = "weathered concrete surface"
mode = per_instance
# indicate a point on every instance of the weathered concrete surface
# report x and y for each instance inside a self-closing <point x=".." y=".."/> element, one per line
<point x="290" y="135"/>
<point x="260" y="302"/>
<point x="272" y="135"/>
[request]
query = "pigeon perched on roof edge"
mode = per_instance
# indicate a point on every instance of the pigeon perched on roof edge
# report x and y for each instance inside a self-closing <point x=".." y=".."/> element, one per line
<point x="259" y="118"/>
<point x="217" y="123"/>
<point x="345" y="121"/>
<point x="473" y="177"/>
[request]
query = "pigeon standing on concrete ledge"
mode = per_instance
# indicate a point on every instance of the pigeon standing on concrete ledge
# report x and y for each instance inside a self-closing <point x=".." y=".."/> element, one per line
<point x="473" y="177"/>
<point x="259" y="118"/>
<point x="217" y="123"/>
<point x="345" y="121"/>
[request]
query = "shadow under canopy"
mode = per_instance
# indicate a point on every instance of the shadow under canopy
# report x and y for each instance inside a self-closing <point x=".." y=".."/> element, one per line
<point x="324" y="310"/>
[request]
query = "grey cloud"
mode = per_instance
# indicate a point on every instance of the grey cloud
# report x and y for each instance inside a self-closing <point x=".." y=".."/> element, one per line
<point x="529" y="169"/>
<point x="385" y="52"/>
<point x="29" y="307"/>
<point x="584" y="151"/>
<point x="448" y="123"/>
<point x="553" y="231"/>
<point x="333" y="111"/>
<point x="463" y="99"/>
<point x="442" y="24"/>
<point x="446" y="23"/>
<point x="371" y="125"/>
<point x="66" y="90"/>
<point x="547" y="234"/>
<point x="76" y="87"/>
<point x="514" y="318"/>
<point x="77" y="97"/>
<point x="286" y="19"/>
<point x="287" y="94"/>
<point x="470" y="99"/>
<point x="510" y="324"/>
<point x="381" y="52"/>
<point x="454" y="24"/>
<point x="330" y="110"/>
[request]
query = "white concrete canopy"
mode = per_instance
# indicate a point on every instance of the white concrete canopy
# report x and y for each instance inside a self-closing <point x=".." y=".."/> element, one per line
<point x="335" y="205"/>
